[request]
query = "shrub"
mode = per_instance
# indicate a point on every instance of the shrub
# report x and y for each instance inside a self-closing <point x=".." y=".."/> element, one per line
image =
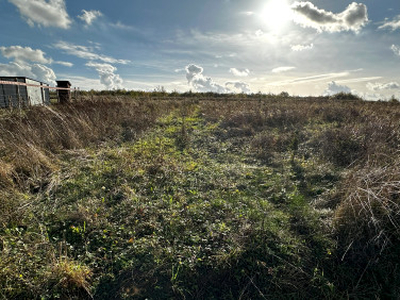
<point x="345" y="96"/>
<point x="341" y="146"/>
<point x="266" y="143"/>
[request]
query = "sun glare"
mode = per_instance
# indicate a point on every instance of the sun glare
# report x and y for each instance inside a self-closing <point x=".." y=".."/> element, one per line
<point x="276" y="14"/>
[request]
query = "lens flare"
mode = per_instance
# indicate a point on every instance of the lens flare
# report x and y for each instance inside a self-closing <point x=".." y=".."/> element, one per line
<point x="277" y="14"/>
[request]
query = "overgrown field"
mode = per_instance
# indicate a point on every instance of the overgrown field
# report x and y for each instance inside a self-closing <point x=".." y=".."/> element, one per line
<point x="217" y="198"/>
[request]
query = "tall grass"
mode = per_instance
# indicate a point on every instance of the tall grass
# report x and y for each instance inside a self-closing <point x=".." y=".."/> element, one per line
<point x="31" y="139"/>
<point x="367" y="227"/>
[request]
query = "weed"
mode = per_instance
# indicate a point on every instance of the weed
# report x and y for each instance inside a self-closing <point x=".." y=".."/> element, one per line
<point x="70" y="280"/>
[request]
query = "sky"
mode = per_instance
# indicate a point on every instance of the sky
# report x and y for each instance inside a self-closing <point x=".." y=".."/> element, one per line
<point x="305" y="48"/>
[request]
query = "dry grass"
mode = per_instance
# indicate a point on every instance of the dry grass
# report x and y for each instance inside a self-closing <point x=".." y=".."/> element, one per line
<point x="70" y="280"/>
<point x="369" y="212"/>
<point x="5" y="174"/>
<point x="367" y="228"/>
<point x="30" y="139"/>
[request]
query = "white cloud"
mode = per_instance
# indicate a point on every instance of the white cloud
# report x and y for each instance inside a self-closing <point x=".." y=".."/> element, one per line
<point x="394" y="25"/>
<point x="282" y="69"/>
<point x="25" y="54"/>
<point x="239" y="72"/>
<point x="36" y="71"/>
<point x="196" y="79"/>
<point x="372" y="97"/>
<point x="383" y="86"/>
<point x="299" y="48"/>
<point x="89" y="16"/>
<point x="64" y="63"/>
<point x="44" y="74"/>
<point x="396" y="49"/>
<point x="120" y="25"/>
<point x="51" y="13"/>
<point x="259" y="33"/>
<point x="242" y="87"/>
<point x="314" y="78"/>
<point x="353" y="18"/>
<point x="107" y="74"/>
<point x="192" y="71"/>
<point x="15" y="69"/>
<point x="87" y="53"/>
<point x="359" y="79"/>
<point x="334" y="88"/>
<point x="231" y="55"/>
<point x="179" y="70"/>
<point x="21" y="66"/>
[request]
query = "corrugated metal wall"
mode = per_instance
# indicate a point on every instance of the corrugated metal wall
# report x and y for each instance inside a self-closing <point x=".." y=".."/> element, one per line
<point x="15" y="95"/>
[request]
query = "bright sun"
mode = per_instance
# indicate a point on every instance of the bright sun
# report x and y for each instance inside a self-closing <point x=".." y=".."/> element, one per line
<point x="276" y="14"/>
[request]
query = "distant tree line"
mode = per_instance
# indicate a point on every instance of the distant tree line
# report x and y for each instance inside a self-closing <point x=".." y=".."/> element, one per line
<point x="162" y="93"/>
